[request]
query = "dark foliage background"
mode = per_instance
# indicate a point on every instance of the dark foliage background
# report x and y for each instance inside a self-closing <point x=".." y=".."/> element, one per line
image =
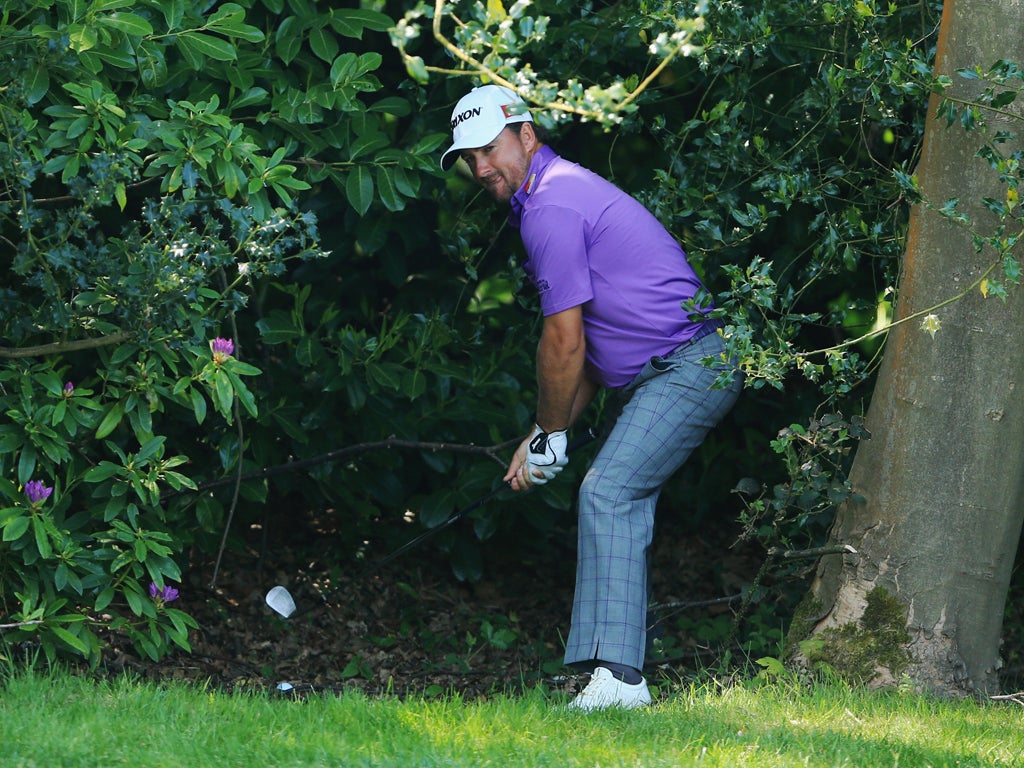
<point x="266" y="172"/>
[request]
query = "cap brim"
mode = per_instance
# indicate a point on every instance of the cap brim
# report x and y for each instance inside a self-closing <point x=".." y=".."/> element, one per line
<point x="451" y="157"/>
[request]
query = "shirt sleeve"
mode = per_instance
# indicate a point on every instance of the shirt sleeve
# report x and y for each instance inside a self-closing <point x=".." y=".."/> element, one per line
<point x="556" y="241"/>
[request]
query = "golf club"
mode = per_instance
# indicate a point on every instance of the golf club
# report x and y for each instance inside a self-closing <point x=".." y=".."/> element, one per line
<point x="282" y="603"/>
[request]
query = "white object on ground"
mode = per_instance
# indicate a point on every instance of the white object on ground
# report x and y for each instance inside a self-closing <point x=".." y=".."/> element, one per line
<point x="281" y="601"/>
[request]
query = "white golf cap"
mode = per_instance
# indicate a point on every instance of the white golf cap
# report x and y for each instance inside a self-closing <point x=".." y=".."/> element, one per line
<point x="480" y="116"/>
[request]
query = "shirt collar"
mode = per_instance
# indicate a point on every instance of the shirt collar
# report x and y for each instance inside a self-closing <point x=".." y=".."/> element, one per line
<point x="540" y="161"/>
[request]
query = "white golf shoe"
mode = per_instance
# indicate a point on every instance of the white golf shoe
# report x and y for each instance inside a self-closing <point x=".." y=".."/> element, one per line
<point x="604" y="691"/>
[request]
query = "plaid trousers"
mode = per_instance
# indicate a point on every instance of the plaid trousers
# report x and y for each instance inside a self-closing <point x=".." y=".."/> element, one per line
<point x="668" y="410"/>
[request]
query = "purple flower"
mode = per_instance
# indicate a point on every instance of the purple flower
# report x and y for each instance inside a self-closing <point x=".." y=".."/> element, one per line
<point x="165" y="595"/>
<point x="37" y="491"/>
<point x="222" y="349"/>
<point x="69" y="389"/>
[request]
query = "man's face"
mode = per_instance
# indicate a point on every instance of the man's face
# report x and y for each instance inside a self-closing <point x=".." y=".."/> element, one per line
<point x="502" y="165"/>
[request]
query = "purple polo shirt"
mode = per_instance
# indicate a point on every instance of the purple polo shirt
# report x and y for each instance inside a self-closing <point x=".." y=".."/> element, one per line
<point x="589" y="243"/>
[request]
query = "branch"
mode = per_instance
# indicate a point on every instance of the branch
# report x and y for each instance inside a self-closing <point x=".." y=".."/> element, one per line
<point x="913" y="316"/>
<point x="241" y="443"/>
<point x="17" y="624"/>
<point x="482" y="70"/>
<point x="61" y="347"/>
<point x="698" y="604"/>
<point x="65" y="199"/>
<point x="797" y="554"/>
<point x="351" y="450"/>
<point x="1016" y="698"/>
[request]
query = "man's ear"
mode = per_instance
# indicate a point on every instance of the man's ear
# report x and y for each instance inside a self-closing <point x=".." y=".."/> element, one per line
<point x="528" y="137"/>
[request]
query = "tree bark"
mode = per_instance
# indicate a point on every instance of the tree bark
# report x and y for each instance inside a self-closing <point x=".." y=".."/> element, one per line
<point x="943" y="474"/>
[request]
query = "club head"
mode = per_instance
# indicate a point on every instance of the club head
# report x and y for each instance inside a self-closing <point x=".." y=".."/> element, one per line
<point x="281" y="601"/>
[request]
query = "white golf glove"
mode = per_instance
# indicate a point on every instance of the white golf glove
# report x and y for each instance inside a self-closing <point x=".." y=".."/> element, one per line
<point x="547" y="453"/>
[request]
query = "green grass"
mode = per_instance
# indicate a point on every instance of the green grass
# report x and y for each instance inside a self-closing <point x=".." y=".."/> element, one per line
<point x="62" y="721"/>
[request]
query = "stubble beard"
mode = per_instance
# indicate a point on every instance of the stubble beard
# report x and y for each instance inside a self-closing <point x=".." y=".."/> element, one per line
<point x="505" y="188"/>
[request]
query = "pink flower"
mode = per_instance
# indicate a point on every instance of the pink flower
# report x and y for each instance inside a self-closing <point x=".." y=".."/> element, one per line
<point x="222" y="349"/>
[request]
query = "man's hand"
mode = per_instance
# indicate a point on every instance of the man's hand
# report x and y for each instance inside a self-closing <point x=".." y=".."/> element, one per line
<point x="546" y="454"/>
<point x="539" y="458"/>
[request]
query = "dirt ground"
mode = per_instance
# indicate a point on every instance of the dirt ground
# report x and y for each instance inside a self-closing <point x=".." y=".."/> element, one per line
<point x="412" y="627"/>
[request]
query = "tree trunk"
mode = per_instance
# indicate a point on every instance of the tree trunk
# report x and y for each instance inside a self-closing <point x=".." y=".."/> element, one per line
<point x="943" y="474"/>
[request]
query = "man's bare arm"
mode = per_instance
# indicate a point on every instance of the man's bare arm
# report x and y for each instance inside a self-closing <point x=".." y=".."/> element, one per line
<point x="560" y="373"/>
<point x="564" y="389"/>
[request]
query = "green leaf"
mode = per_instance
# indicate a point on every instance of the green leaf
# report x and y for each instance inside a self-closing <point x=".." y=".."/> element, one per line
<point x="82" y="37"/>
<point x="242" y="369"/>
<point x="198" y="405"/>
<point x="245" y="396"/>
<point x="102" y="471"/>
<point x="1004" y="99"/>
<point x="134" y="599"/>
<point x="104" y="598"/>
<point x="288" y="40"/>
<point x="367" y="143"/>
<point x="198" y="45"/>
<point x="110" y="420"/>
<point x="72" y="640"/>
<point x="42" y="537"/>
<point x="495" y="12"/>
<point x="128" y="23"/>
<point x="37" y="83"/>
<point x="26" y="464"/>
<point x="51" y="382"/>
<point x="404" y="184"/>
<point x="173" y="11"/>
<point x="414" y="384"/>
<point x="229" y="20"/>
<point x="351" y="22"/>
<point x="385" y="375"/>
<point x="278" y="328"/>
<point x="343" y="68"/>
<point x="152" y="448"/>
<point x="15" y="529"/>
<point x="323" y="43"/>
<point x="223" y="394"/>
<point x="388" y="191"/>
<point x="417" y="69"/>
<point x="233" y="178"/>
<point x="359" y="189"/>
<point x="392" y="105"/>
<point x="60" y="576"/>
<point x="252" y="97"/>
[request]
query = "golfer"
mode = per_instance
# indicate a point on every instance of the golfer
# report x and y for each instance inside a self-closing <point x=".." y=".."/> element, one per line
<point x="611" y="281"/>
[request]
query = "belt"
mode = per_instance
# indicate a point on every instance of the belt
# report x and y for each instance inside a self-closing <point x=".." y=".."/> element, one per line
<point x="705" y="328"/>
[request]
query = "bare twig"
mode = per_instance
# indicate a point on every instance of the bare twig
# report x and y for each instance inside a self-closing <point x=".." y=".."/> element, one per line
<point x="1016" y="698"/>
<point x="797" y="554"/>
<point x="682" y="606"/>
<point x="480" y="69"/>
<point x="491" y="451"/>
<point x="17" y="624"/>
<point x="62" y="347"/>
<point x="241" y="443"/>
